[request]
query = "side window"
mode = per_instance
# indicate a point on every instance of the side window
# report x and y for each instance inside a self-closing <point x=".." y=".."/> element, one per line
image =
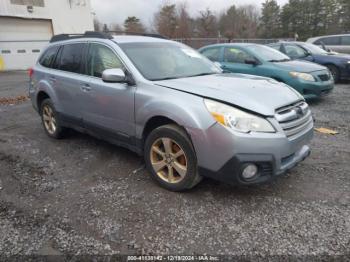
<point x="294" y="51"/>
<point x="48" y="57"/>
<point x="71" y="57"/>
<point x="212" y="54"/>
<point x="345" y="40"/>
<point x="234" y="55"/>
<point x="335" y="40"/>
<point x="101" y="58"/>
<point x="276" y="47"/>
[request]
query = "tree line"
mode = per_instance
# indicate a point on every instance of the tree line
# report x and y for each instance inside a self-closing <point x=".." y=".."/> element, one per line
<point x="297" y="18"/>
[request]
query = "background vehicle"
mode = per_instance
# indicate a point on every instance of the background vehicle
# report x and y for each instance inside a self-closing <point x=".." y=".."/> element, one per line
<point x="309" y="79"/>
<point x="338" y="64"/>
<point x="177" y="112"/>
<point x="337" y="43"/>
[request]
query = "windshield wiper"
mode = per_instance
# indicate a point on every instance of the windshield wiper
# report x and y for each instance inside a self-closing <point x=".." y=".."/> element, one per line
<point x="166" y="78"/>
<point x="278" y="61"/>
<point x="203" y="74"/>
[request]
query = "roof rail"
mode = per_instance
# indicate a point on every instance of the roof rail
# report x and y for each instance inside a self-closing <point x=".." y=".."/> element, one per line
<point x="87" y="34"/>
<point x="137" y="34"/>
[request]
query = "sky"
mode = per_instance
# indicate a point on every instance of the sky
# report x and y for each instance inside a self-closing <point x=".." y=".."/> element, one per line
<point x="116" y="11"/>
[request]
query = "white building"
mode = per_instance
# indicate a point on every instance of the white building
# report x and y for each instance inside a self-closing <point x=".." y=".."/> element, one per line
<point x="27" y="25"/>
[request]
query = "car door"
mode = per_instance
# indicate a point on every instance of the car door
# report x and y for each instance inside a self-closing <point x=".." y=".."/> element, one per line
<point x="69" y="80"/>
<point x="108" y="107"/>
<point x="234" y="60"/>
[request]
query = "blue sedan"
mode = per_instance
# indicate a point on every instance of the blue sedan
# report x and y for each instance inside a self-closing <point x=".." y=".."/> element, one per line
<point x="338" y="64"/>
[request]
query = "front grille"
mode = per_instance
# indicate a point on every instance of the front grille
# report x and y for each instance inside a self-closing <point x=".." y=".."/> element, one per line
<point x="294" y="119"/>
<point x="324" y="77"/>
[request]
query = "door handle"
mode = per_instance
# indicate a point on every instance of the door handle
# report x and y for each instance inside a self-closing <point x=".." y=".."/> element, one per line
<point x="86" y="87"/>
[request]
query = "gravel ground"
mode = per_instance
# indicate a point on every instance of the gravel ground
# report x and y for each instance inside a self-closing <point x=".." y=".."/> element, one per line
<point x="83" y="196"/>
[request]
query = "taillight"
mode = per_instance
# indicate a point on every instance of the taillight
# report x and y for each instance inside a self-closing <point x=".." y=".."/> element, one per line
<point x="30" y="72"/>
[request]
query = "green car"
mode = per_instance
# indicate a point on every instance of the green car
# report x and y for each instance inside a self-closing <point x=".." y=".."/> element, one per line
<point x="309" y="79"/>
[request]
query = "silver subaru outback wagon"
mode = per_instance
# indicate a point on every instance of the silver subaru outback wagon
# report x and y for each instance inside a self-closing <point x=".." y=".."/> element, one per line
<point x="165" y="101"/>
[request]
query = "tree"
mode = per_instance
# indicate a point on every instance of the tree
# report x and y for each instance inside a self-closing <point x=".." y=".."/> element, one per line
<point x="241" y="22"/>
<point x="312" y="17"/>
<point x="207" y="24"/>
<point x="344" y="16"/>
<point x="184" y="25"/>
<point x="98" y="26"/>
<point x="166" y="21"/>
<point x="133" y="24"/>
<point x="105" y="28"/>
<point x="115" y="27"/>
<point x="270" y="23"/>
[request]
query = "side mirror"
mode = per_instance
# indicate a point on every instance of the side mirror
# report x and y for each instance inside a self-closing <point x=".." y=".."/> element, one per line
<point x="115" y="75"/>
<point x="308" y="53"/>
<point x="218" y="64"/>
<point x="251" y="62"/>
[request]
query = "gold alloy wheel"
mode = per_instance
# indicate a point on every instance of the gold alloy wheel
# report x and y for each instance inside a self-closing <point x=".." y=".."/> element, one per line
<point x="49" y="120"/>
<point x="168" y="160"/>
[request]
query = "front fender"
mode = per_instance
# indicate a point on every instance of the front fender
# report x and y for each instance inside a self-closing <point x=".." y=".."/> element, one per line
<point x="192" y="115"/>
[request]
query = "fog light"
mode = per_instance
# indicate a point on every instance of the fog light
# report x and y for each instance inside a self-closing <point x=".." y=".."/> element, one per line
<point x="249" y="171"/>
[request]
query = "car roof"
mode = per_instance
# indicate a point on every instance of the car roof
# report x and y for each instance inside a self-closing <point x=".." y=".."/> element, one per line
<point x="231" y="44"/>
<point x="61" y="39"/>
<point x="138" y="39"/>
<point x="317" y="37"/>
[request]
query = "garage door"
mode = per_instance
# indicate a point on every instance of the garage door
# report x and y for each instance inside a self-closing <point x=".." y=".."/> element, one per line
<point x="21" y="41"/>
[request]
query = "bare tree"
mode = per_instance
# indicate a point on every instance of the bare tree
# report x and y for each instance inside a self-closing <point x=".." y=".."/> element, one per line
<point x="184" y="25"/>
<point x="115" y="27"/>
<point x="165" y="21"/>
<point x="241" y="22"/>
<point x="207" y="24"/>
<point x="98" y="26"/>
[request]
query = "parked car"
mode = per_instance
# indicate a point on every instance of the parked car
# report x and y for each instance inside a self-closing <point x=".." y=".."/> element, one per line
<point x="338" y="43"/>
<point x="165" y="101"/>
<point x="338" y="64"/>
<point x="310" y="79"/>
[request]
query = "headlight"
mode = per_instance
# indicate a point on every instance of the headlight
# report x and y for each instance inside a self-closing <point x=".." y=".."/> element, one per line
<point x="348" y="62"/>
<point x="237" y="119"/>
<point x="303" y="76"/>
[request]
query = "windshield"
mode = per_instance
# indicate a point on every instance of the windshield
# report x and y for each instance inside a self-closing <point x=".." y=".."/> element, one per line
<point x="314" y="49"/>
<point x="268" y="54"/>
<point x="160" y="61"/>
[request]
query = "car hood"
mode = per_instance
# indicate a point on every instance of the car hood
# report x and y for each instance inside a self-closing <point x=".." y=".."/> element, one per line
<point x="258" y="94"/>
<point x="299" y="66"/>
<point x="339" y="57"/>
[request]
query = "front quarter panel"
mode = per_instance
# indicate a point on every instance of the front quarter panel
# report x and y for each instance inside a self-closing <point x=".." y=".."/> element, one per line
<point x="185" y="109"/>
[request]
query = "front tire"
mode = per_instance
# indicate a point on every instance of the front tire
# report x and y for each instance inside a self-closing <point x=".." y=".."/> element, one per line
<point x="335" y="72"/>
<point x="50" y="120"/>
<point x="171" y="159"/>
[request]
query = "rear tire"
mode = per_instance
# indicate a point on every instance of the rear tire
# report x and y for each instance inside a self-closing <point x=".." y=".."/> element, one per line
<point x="170" y="158"/>
<point x="335" y="72"/>
<point x="50" y="120"/>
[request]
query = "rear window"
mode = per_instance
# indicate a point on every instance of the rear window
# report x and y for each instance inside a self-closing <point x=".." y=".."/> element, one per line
<point x="71" y="58"/>
<point x="49" y="56"/>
